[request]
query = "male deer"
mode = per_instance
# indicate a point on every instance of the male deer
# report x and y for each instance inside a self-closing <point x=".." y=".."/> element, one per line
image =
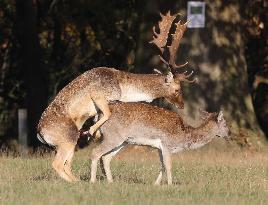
<point x="79" y="100"/>
<point x="143" y="124"/>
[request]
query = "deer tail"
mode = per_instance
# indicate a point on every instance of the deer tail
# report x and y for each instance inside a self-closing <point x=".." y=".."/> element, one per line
<point x="41" y="138"/>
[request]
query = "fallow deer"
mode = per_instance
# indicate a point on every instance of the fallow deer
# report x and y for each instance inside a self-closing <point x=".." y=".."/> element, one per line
<point x="144" y="124"/>
<point x="79" y="100"/>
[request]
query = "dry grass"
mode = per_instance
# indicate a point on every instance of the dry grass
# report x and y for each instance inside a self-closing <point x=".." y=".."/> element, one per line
<point x="215" y="174"/>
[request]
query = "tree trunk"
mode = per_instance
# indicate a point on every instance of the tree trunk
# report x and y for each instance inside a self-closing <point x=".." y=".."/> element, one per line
<point x="34" y="73"/>
<point x="216" y="54"/>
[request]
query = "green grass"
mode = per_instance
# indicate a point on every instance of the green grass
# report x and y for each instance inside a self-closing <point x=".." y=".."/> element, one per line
<point x="202" y="177"/>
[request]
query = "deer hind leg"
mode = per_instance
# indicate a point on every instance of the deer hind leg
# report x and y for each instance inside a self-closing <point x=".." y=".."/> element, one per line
<point x="97" y="153"/>
<point x="68" y="167"/>
<point x="63" y="152"/>
<point x="106" y="160"/>
<point x="102" y="104"/>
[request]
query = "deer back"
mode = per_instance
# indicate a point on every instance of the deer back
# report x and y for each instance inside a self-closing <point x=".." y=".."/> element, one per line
<point x="130" y="120"/>
<point x="140" y="120"/>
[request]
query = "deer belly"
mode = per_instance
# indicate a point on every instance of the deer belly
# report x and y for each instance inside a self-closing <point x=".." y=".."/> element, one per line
<point x="156" y="143"/>
<point x="80" y="110"/>
<point x="133" y="94"/>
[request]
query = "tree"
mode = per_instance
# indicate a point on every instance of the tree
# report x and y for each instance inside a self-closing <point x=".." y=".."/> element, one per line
<point x="54" y="41"/>
<point x="34" y="74"/>
<point x="256" y="27"/>
<point x="217" y="55"/>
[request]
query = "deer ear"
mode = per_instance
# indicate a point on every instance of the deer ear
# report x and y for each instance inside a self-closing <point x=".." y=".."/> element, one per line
<point x="220" y="116"/>
<point x="169" y="78"/>
<point x="203" y="114"/>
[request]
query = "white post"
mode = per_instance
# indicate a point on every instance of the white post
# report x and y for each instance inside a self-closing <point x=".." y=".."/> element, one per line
<point x="22" y="126"/>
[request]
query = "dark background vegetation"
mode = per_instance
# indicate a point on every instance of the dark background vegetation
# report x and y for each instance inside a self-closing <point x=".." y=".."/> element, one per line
<point x="44" y="44"/>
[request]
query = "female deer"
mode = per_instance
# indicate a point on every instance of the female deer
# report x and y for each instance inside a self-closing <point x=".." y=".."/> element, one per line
<point x="143" y="124"/>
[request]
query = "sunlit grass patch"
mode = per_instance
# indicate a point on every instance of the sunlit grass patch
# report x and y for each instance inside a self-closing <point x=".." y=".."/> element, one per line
<point x="201" y="177"/>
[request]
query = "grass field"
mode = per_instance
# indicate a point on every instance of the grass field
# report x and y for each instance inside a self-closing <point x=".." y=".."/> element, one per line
<point x="205" y="176"/>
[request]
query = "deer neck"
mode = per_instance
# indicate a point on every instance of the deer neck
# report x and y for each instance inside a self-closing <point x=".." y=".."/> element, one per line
<point x="197" y="137"/>
<point x="138" y="87"/>
<point x="203" y="134"/>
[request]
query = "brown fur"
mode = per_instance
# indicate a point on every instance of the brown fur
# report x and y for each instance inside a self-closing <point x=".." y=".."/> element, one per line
<point x="143" y="124"/>
<point x="72" y="101"/>
<point x="75" y="103"/>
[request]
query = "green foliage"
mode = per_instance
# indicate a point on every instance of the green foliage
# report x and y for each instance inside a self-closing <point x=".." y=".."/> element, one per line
<point x="79" y="35"/>
<point x="75" y="36"/>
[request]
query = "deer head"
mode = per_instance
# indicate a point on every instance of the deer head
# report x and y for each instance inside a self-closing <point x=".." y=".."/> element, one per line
<point x="203" y="114"/>
<point x="160" y="40"/>
<point x="173" y="89"/>
<point x="223" y="130"/>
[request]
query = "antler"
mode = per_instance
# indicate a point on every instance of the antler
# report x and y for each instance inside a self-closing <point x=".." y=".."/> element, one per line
<point x="184" y="77"/>
<point x="160" y="39"/>
<point x="173" y="48"/>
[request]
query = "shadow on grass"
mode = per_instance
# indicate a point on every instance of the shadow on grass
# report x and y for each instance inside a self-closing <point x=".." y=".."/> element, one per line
<point x="120" y="178"/>
<point x="133" y="179"/>
<point x="86" y="177"/>
<point x="50" y="176"/>
<point x="47" y="175"/>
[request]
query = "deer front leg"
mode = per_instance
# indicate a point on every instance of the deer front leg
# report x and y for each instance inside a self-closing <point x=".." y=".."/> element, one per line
<point x="167" y="164"/>
<point x="102" y="104"/>
<point x="159" y="178"/>
<point x="97" y="133"/>
<point x="165" y="159"/>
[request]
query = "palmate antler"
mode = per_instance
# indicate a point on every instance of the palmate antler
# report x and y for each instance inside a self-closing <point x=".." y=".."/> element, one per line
<point x="160" y="39"/>
<point x="184" y="77"/>
<point x="173" y="48"/>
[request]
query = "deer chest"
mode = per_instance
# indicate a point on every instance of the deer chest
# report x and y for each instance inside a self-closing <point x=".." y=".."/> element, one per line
<point x="131" y="93"/>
